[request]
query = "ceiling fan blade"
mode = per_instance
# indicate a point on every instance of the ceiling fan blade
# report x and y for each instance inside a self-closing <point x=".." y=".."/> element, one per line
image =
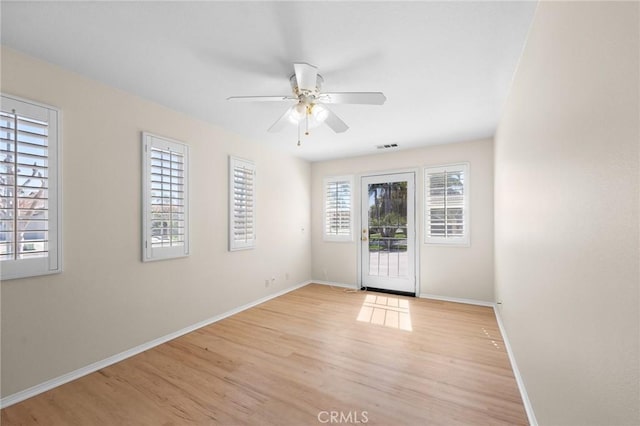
<point x="306" y="76"/>
<point x="334" y="122"/>
<point x="281" y="122"/>
<point x="368" y="98"/>
<point x="259" y="98"/>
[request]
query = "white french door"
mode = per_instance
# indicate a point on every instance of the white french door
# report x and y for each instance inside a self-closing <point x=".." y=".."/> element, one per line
<point x="388" y="234"/>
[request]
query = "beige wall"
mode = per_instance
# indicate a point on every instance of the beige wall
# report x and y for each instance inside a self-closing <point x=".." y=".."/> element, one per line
<point x="566" y="158"/>
<point x="107" y="300"/>
<point x="459" y="272"/>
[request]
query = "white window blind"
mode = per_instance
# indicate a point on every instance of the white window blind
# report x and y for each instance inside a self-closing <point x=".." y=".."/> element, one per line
<point x="242" y="201"/>
<point x="29" y="216"/>
<point x="338" y="217"/>
<point x="166" y="220"/>
<point x="447" y="204"/>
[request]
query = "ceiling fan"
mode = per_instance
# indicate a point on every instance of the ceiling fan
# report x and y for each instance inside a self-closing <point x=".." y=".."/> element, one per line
<point x="309" y="109"/>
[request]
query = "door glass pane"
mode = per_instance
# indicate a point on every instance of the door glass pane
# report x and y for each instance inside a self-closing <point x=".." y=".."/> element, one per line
<point x="387" y="229"/>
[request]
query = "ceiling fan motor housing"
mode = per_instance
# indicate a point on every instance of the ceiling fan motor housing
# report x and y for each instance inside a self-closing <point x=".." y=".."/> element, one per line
<point x="306" y="96"/>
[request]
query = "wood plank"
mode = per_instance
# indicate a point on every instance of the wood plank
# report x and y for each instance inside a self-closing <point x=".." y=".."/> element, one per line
<point x="396" y="359"/>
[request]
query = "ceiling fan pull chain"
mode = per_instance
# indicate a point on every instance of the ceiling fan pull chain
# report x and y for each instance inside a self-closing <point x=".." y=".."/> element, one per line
<point x="298" y="133"/>
<point x="306" y="120"/>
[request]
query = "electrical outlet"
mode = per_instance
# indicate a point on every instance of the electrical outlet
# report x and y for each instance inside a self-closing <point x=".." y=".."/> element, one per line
<point x="266" y="283"/>
<point x="286" y="276"/>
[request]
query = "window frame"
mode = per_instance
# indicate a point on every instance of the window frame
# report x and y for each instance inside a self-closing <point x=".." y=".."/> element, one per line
<point x="52" y="263"/>
<point x="325" y="182"/>
<point x="233" y="244"/>
<point x="149" y="253"/>
<point x="465" y="240"/>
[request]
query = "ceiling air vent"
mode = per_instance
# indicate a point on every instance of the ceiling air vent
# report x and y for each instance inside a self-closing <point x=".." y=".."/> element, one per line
<point x="387" y="146"/>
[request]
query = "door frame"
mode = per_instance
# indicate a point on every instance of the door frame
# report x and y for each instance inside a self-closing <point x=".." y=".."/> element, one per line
<point x="417" y="200"/>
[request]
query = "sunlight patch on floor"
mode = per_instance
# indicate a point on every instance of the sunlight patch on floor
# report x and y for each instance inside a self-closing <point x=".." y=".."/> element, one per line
<point x="386" y="311"/>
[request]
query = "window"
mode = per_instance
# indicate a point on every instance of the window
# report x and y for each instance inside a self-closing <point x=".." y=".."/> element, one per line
<point x="165" y="189"/>
<point x="447" y="204"/>
<point x="337" y="208"/>
<point x="30" y="220"/>
<point x="242" y="218"/>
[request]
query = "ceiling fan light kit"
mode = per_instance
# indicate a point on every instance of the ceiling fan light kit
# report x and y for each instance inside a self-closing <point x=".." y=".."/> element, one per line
<point x="310" y="110"/>
<point x="314" y="112"/>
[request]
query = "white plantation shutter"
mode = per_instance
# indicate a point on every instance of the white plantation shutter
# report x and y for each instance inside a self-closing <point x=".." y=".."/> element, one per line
<point x="446" y="204"/>
<point x="165" y="192"/>
<point x="242" y="219"/>
<point x="338" y="217"/>
<point x="29" y="205"/>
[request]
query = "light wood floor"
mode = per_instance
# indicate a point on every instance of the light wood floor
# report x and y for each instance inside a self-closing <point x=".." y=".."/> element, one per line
<point x="300" y="356"/>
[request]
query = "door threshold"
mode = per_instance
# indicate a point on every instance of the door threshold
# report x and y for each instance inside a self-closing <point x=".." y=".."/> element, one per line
<point x="384" y="290"/>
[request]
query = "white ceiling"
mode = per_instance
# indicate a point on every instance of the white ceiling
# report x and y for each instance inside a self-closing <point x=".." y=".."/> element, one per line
<point x="445" y="67"/>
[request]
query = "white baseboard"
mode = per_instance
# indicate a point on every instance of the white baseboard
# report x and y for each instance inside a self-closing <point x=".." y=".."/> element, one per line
<point x="523" y="392"/>
<point x="76" y="374"/>
<point x="457" y="300"/>
<point x="332" y="284"/>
